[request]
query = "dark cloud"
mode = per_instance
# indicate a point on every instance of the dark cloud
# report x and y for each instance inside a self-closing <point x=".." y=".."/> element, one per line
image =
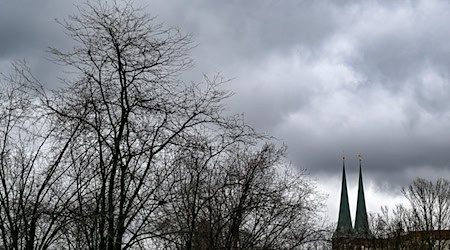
<point x="27" y="25"/>
<point x="366" y="77"/>
<point x="27" y="29"/>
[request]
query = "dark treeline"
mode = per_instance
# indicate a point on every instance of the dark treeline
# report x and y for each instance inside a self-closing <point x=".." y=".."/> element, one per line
<point x="126" y="156"/>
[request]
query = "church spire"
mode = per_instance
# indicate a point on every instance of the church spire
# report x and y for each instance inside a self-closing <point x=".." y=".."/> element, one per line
<point x="344" y="226"/>
<point x="361" y="223"/>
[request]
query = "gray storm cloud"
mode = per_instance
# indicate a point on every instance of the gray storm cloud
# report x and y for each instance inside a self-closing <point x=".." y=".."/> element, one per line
<point x="365" y="77"/>
<point x="369" y="77"/>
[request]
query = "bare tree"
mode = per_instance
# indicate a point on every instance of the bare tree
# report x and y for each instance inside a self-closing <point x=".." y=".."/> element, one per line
<point x="420" y="223"/>
<point x="392" y="226"/>
<point x="272" y="207"/>
<point x="430" y="203"/>
<point x="33" y="194"/>
<point x="240" y="198"/>
<point x="133" y="114"/>
<point x="126" y="156"/>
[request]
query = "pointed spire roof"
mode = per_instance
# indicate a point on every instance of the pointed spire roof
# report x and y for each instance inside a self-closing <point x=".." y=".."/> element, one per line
<point x="344" y="226"/>
<point x="361" y="223"/>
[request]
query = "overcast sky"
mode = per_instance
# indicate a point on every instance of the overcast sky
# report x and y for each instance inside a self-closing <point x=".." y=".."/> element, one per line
<point x="325" y="77"/>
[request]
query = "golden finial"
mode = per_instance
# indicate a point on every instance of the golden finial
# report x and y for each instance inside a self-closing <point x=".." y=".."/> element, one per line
<point x="359" y="157"/>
